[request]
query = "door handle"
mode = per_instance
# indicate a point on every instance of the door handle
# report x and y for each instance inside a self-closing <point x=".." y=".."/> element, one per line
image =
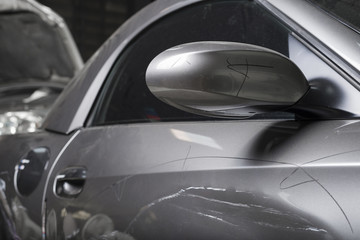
<point x="70" y="182"/>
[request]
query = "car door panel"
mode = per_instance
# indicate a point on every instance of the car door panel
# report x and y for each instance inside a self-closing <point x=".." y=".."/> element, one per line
<point x="22" y="214"/>
<point x="255" y="182"/>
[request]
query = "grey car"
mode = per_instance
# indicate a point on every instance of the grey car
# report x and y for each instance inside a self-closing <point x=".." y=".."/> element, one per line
<point x="200" y="120"/>
<point x="38" y="57"/>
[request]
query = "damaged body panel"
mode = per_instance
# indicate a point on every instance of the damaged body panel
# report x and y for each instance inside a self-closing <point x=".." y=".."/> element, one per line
<point x="116" y="160"/>
<point x="253" y="183"/>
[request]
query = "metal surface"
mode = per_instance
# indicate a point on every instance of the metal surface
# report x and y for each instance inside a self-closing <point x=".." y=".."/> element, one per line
<point x="247" y="179"/>
<point x="329" y="90"/>
<point x="225" y="79"/>
<point x="332" y="33"/>
<point x="25" y="216"/>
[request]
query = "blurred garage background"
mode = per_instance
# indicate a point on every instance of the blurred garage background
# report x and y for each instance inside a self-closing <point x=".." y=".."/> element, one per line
<point x="92" y="21"/>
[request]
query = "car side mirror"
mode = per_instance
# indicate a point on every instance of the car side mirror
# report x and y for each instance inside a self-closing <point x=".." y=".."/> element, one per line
<point x="225" y="79"/>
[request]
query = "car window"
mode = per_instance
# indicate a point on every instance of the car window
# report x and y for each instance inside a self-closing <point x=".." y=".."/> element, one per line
<point x="125" y="96"/>
<point x="347" y="10"/>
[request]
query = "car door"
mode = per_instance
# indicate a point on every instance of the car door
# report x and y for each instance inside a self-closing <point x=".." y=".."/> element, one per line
<point x="142" y="169"/>
<point x="26" y="160"/>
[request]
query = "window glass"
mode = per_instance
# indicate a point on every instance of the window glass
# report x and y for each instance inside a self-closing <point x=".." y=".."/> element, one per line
<point x="125" y="96"/>
<point x="347" y="10"/>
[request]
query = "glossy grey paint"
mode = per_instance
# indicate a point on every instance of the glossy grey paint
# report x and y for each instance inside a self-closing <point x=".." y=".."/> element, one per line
<point x="329" y="91"/>
<point x="225" y="79"/>
<point x="247" y="179"/>
<point x="278" y="174"/>
<point x="25" y="215"/>
<point x="343" y="41"/>
<point x="289" y="179"/>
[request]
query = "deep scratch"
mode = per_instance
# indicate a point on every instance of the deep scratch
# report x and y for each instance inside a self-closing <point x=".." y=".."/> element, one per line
<point x="179" y="160"/>
<point x="245" y="159"/>
<point x="294" y="185"/>
<point x="218" y="201"/>
<point x="318" y="182"/>
<point x="119" y="188"/>
<point x="333" y="155"/>
<point x="176" y="62"/>
<point x="183" y="193"/>
<point x="230" y="66"/>
<point x="146" y="207"/>
<point x="186" y="158"/>
<point x="205" y="215"/>
<point x="333" y="198"/>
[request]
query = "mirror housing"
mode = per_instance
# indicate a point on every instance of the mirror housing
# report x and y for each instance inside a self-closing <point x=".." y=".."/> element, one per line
<point x="225" y="79"/>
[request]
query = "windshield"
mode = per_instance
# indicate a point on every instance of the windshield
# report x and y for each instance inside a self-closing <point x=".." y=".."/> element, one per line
<point x="31" y="50"/>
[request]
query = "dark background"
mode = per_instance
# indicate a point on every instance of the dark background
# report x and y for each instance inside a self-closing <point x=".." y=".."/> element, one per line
<point x="91" y="22"/>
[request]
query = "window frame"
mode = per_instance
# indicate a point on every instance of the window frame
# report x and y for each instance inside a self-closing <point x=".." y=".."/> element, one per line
<point x="108" y="82"/>
<point x="73" y="109"/>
